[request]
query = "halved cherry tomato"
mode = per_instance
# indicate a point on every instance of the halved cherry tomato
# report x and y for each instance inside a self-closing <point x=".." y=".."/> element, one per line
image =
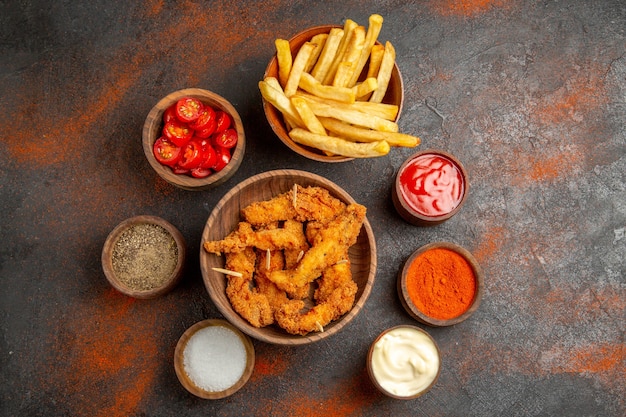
<point x="166" y="152"/>
<point x="191" y="156"/>
<point x="170" y="114"/>
<point x="207" y="115"/>
<point x="201" y="172"/>
<point x="222" y="120"/>
<point x="210" y="155"/>
<point x="206" y="131"/>
<point x="180" y="171"/>
<point x="177" y="132"/>
<point x="223" y="158"/>
<point x="226" y="139"/>
<point x="188" y="109"/>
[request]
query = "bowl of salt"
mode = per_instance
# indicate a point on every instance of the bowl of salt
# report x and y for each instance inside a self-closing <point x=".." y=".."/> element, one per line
<point x="213" y="359"/>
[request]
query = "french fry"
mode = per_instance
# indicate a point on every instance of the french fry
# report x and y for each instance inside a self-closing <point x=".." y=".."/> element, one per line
<point x="351" y="56"/>
<point x="342" y="76"/>
<point x="302" y="57"/>
<point x="327" y="55"/>
<point x="357" y="134"/>
<point x="308" y="117"/>
<point x="319" y="41"/>
<point x="364" y="88"/>
<point x="284" y="58"/>
<point x="384" y="73"/>
<point x="310" y="84"/>
<point x="373" y="30"/>
<point x="279" y="100"/>
<point x="348" y="27"/>
<point x="376" y="57"/>
<point x="353" y="116"/>
<point x="339" y="146"/>
<point x="382" y="110"/>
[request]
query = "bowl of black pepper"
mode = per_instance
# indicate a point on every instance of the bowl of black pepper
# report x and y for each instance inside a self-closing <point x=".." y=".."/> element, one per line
<point x="143" y="257"/>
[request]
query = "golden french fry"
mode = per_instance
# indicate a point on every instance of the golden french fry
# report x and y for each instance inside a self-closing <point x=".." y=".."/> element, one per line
<point x="364" y="88"/>
<point x="327" y="55"/>
<point x="310" y="84"/>
<point x="376" y="57"/>
<point x="353" y="116"/>
<point x="373" y="30"/>
<point x="308" y="117"/>
<point x="348" y="27"/>
<point x="279" y="100"/>
<point x="382" y="110"/>
<point x="339" y="146"/>
<point x="355" y="133"/>
<point x="319" y="41"/>
<point x="284" y="58"/>
<point x="302" y="57"/>
<point x="384" y="73"/>
<point x="351" y="55"/>
<point x="342" y="76"/>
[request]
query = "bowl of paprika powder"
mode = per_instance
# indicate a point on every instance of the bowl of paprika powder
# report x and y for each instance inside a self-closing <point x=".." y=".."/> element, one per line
<point x="440" y="284"/>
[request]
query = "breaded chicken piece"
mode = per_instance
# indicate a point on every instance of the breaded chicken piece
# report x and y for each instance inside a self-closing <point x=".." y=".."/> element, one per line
<point x="290" y="236"/>
<point x="309" y="204"/>
<point x="246" y="299"/>
<point x="335" y="297"/>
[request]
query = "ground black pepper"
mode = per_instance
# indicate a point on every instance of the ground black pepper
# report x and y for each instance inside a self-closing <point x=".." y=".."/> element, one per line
<point x="144" y="256"/>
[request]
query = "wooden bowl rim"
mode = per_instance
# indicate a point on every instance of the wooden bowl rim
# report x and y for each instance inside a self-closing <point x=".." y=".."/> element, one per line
<point x="111" y="240"/>
<point x="273" y="115"/>
<point x="414" y="217"/>
<point x="291" y="176"/>
<point x="186" y="381"/>
<point x="151" y="132"/>
<point x="414" y="311"/>
<point x="370" y="371"/>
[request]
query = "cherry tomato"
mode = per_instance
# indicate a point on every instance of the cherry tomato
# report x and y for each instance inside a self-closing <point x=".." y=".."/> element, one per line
<point x="177" y="132"/>
<point x="170" y="114"/>
<point x="226" y="139"/>
<point x="188" y="109"/>
<point x="210" y="155"/>
<point x="166" y="152"/>
<point x="180" y="171"/>
<point x="223" y="158"/>
<point x="222" y="120"/>
<point x="201" y="172"/>
<point x="191" y="156"/>
<point x="207" y="115"/>
<point x="206" y="131"/>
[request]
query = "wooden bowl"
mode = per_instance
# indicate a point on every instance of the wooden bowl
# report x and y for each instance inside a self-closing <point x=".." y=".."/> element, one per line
<point x="187" y="381"/>
<point x="415" y="312"/>
<point x="394" y="95"/>
<point x="152" y="130"/>
<point x="419" y="351"/>
<point x="225" y="217"/>
<point x="109" y="251"/>
<point x="407" y="211"/>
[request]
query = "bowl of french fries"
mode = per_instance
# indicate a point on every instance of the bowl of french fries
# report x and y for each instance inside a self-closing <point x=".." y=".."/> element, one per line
<point x="288" y="257"/>
<point x="335" y="93"/>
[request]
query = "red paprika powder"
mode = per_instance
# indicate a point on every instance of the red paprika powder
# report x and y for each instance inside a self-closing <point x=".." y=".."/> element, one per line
<point x="441" y="283"/>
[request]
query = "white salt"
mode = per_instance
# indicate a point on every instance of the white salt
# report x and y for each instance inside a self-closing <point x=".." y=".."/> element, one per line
<point x="214" y="358"/>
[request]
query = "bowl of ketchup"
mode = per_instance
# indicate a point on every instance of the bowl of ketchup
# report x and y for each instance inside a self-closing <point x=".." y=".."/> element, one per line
<point x="431" y="186"/>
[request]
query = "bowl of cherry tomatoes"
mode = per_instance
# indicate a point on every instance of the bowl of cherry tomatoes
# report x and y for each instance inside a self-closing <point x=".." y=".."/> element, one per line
<point x="194" y="139"/>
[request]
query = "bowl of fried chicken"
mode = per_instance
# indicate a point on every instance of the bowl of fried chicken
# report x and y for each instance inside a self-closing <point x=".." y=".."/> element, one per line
<point x="288" y="257"/>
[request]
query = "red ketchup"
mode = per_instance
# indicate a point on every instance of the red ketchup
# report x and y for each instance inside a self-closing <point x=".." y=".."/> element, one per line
<point x="432" y="185"/>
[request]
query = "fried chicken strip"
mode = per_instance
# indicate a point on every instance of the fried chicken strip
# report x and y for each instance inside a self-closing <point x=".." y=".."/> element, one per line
<point x="330" y="246"/>
<point x="290" y="236"/>
<point x="244" y="297"/>
<point x="310" y="203"/>
<point x="335" y="297"/>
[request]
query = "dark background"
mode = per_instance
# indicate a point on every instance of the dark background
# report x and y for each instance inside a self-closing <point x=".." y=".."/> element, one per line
<point x="529" y="95"/>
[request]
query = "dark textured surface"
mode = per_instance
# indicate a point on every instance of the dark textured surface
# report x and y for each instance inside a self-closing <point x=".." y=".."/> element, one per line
<point x="528" y="94"/>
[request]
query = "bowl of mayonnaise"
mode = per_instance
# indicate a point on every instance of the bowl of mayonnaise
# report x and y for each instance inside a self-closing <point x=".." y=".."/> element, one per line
<point x="404" y="362"/>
